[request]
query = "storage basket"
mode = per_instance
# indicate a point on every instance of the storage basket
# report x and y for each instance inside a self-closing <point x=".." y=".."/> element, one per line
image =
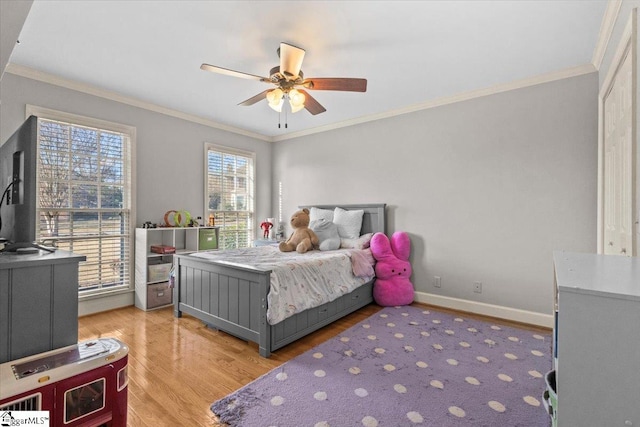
<point x="159" y="294"/>
<point x="158" y="272"/>
<point x="207" y="239"/>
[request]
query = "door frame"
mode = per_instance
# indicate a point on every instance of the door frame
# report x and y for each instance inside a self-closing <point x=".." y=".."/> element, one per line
<point x="628" y="43"/>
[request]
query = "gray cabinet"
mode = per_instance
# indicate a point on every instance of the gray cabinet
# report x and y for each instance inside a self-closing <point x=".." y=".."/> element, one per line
<point x="38" y="303"/>
<point x="597" y="340"/>
<point x="152" y="269"/>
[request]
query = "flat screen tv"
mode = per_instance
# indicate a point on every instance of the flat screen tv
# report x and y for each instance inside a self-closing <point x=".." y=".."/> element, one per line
<point x="18" y="160"/>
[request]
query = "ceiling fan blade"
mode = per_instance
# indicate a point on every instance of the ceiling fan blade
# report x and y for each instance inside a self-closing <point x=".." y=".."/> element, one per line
<point x="256" y="98"/>
<point x="232" y="73"/>
<point x="290" y="60"/>
<point x="336" y="83"/>
<point x="311" y="104"/>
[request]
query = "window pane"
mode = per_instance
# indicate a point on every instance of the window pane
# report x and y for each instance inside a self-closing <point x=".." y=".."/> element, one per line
<point x="54" y="165"/>
<point x="112" y="171"/>
<point x="84" y="168"/>
<point x="53" y="194"/>
<point x="54" y="136"/>
<point x="84" y="141"/>
<point x="111" y="145"/>
<point x="84" y="196"/>
<point x="112" y="196"/>
<point x="54" y="223"/>
<point x="85" y="223"/>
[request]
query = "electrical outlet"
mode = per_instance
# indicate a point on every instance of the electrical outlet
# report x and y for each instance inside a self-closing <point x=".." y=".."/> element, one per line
<point x="477" y="287"/>
<point x="436" y="281"/>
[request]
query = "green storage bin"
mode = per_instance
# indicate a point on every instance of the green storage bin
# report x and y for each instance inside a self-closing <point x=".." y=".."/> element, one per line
<point x="207" y="239"/>
<point x="550" y="397"/>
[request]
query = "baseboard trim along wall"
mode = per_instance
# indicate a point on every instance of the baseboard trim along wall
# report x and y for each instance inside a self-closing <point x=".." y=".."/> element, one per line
<point x="95" y="305"/>
<point x="513" y="314"/>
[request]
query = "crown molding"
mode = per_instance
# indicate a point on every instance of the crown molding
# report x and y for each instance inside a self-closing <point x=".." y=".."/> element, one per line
<point x="31" y="73"/>
<point x="606" y="29"/>
<point x="466" y="96"/>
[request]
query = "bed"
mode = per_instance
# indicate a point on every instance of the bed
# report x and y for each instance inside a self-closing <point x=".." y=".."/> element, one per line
<point x="234" y="297"/>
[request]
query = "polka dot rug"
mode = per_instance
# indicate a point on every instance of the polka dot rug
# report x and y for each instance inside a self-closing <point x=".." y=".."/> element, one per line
<point x="404" y="366"/>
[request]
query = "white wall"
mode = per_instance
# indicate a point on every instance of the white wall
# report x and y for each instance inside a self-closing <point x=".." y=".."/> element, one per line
<point x="13" y="13"/>
<point x="486" y="188"/>
<point x="169" y="155"/>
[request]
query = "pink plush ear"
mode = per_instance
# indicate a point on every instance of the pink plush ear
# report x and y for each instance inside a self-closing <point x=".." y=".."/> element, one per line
<point x="401" y="245"/>
<point x="380" y="247"/>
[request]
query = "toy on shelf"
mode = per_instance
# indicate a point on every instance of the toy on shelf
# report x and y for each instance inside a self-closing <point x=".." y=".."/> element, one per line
<point x="266" y="226"/>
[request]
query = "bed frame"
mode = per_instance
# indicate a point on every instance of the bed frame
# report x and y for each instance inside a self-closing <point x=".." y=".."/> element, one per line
<point x="234" y="298"/>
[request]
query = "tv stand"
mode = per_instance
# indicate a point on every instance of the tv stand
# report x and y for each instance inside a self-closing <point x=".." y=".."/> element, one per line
<point x="16" y="247"/>
<point x="38" y="303"/>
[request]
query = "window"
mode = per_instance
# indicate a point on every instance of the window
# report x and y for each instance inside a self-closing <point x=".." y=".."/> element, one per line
<point x="85" y="195"/>
<point x="229" y="189"/>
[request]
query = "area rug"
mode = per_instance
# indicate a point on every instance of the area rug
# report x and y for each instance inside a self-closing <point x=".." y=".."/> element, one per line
<point x="404" y="366"/>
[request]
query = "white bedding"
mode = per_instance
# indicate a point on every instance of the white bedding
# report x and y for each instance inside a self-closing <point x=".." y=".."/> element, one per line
<point x="299" y="281"/>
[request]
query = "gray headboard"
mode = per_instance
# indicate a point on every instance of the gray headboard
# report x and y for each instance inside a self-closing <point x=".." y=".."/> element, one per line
<point x="373" y="220"/>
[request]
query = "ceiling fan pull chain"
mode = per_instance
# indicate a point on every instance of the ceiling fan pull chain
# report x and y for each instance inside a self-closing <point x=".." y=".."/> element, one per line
<point x="286" y="120"/>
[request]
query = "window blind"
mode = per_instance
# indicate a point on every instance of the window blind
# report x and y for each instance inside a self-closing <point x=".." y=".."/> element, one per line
<point x="230" y="195"/>
<point x="84" y="202"/>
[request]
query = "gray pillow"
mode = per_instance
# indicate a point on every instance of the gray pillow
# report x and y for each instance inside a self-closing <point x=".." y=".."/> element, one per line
<point x="327" y="233"/>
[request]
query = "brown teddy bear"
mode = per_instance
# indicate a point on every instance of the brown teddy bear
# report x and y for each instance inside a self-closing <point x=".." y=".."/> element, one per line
<point x="302" y="239"/>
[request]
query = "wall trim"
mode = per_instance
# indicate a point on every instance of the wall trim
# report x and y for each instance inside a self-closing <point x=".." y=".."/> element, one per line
<point x="512" y="314"/>
<point x="34" y="74"/>
<point x="31" y="73"/>
<point x="606" y="29"/>
<point x="466" y="96"/>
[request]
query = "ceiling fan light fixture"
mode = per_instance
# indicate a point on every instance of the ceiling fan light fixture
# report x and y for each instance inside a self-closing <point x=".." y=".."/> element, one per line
<point x="276" y="99"/>
<point x="286" y="77"/>
<point x="296" y="100"/>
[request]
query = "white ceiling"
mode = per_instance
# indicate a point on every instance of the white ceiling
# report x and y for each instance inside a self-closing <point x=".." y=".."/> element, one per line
<point x="410" y="52"/>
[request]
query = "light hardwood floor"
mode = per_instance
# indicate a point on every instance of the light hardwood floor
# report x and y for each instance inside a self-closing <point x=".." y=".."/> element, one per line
<point x="179" y="367"/>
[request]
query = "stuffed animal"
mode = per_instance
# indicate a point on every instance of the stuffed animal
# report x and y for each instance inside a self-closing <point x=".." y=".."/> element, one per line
<point x="302" y="239"/>
<point x="327" y="233"/>
<point x="393" y="270"/>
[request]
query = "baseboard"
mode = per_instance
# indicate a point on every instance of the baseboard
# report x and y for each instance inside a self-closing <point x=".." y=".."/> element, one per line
<point x="513" y="314"/>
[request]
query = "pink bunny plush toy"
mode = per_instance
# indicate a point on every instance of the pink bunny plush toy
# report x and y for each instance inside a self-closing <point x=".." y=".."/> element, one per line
<point x="393" y="270"/>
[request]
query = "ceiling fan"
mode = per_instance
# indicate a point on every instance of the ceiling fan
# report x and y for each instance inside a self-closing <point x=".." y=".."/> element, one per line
<point x="291" y="84"/>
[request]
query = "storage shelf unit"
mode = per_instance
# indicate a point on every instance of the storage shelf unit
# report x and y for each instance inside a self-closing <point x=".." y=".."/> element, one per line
<point x="152" y="269"/>
<point x="597" y="339"/>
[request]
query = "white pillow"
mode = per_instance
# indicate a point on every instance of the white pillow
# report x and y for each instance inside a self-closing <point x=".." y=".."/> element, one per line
<point x="362" y="242"/>
<point x="316" y="213"/>
<point x="349" y="222"/>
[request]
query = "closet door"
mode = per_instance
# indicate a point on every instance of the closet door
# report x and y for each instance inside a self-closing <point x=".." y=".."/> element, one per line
<point x="617" y="162"/>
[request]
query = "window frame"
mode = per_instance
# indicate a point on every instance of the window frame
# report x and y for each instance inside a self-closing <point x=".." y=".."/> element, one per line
<point x="79" y="120"/>
<point x="208" y="146"/>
